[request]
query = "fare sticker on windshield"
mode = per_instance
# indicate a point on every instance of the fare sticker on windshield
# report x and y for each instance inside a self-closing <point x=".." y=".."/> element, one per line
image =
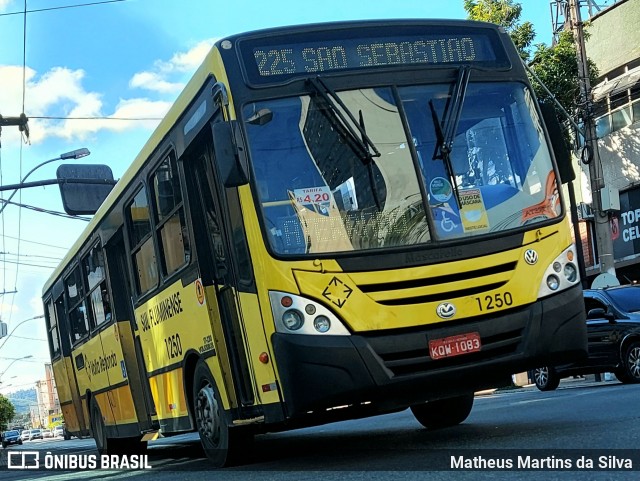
<point x="314" y="198"/>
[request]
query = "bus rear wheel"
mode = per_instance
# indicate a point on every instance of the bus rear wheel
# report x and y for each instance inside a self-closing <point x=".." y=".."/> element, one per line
<point x="443" y="413"/>
<point x="107" y="445"/>
<point x="221" y="443"/>
<point x="98" y="430"/>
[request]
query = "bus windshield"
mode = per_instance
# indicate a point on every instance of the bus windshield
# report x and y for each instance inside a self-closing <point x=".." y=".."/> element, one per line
<point x="321" y="190"/>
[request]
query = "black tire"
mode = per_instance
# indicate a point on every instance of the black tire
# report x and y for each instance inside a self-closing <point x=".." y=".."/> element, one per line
<point x="106" y="445"/>
<point x="630" y="370"/>
<point x="66" y="436"/>
<point x="546" y="378"/>
<point x="221" y="444"/>
<point x="98" y="429"/>
<point x="4" y="445"/>
<point x="443" y="413"/>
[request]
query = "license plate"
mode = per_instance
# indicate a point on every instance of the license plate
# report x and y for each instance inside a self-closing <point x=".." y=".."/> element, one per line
<point x="454" y="345"/>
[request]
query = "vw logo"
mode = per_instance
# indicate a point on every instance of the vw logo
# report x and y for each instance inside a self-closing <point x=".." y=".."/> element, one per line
<point x="446" y="310"/>
<point x="531" y="257"/>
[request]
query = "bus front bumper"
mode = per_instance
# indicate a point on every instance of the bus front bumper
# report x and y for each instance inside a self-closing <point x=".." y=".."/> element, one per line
<point x="393" y="370"/>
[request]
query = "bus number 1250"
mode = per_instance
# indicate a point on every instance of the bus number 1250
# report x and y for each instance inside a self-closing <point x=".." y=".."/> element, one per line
<point x="494" y="301"/>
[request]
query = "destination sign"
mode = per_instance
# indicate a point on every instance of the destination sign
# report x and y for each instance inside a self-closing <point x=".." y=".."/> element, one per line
<point x="270" y="61"/>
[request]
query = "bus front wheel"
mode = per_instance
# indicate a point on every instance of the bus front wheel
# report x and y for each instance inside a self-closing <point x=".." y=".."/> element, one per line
<point x="443" y="413"/>
<point x="221" y="443"/>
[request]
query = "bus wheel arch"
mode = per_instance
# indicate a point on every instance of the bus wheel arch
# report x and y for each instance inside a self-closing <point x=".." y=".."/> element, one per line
<point x="189" y="369"/>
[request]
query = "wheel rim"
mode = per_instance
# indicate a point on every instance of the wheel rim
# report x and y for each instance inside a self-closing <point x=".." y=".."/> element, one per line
<point x="541" y="376"/>
<point x="208" y="415"/>
<point x="633" y="362"/>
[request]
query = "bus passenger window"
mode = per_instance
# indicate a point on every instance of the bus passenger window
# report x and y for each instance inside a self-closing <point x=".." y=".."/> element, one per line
<point x="94" y="267"/>
<point x="52" y="328"/>
<point x="171" y="225"/>
<point x="78" y="322"/>
<point x="100" y="305"/>
<point x="142" y="249"/>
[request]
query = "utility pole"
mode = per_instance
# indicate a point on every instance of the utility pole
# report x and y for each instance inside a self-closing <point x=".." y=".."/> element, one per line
<point x="590" y="153"/>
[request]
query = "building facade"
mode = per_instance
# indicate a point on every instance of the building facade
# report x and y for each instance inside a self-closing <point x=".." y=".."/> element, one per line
<point x="613" y="44"/>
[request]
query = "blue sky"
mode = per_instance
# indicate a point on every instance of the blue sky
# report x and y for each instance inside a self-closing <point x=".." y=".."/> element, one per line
<point x="126" y="59"/>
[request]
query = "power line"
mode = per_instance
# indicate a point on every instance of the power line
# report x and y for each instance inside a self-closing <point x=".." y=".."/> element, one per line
<point x="97" y="118"/>
<point x="62" y="7"/>
<point x="28" y="264"/>
<point x="36" y="243"/>
<point x="45" y="211"/>
<point x="30" y="255"/>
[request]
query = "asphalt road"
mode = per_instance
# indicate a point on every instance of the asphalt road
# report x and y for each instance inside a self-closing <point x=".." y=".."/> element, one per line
<point x="577" y="423"/>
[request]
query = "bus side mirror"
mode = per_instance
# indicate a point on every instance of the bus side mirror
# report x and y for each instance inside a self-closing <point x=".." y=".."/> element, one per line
<point x="231" y="165"/>
<point x="558" y="143"/>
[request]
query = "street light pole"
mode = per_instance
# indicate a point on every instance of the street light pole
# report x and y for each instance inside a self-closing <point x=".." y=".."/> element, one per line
<point x="74" y="154"/>
<point x="17" y="326"/>
<point x="12" y="363"/>
<point x="604" y="242"/>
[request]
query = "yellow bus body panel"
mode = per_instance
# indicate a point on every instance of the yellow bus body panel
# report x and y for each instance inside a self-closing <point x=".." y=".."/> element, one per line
<point x="171" y="324"/>
<point x="168" y="391"/>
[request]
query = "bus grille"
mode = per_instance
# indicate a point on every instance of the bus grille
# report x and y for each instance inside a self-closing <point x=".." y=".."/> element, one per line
<point x="440" y="288"/>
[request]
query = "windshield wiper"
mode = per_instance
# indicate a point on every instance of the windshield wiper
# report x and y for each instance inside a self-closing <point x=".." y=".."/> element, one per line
<point x="446" y="131"/>
<point x="365" y="146"/>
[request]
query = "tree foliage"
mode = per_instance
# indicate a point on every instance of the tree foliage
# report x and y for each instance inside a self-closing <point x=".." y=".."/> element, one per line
<point x="7" y="411"/>
<point x="556" y="66"/>
<point x="507" y="14"/>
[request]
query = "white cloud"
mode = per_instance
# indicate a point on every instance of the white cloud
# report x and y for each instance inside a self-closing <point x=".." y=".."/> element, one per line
<point x="4" y="4"/>
<point x="154" y="81"/>
<point x="157" y="79"/>
<point x="60" y="92"/>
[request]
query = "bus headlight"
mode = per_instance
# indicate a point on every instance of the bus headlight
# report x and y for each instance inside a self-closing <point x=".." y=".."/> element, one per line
<point x="292" y="320"/>
<point x="322" y="324"/>
<point x="298" y="315"/>
<point x="561" y="274"/>
<point x="571" y="272"/>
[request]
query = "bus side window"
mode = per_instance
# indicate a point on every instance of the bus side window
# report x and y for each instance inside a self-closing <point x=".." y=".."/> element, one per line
<point x="94" y="268"/>
<point x="141" y="242"/>
<point x="171" y="227"/>
<point x="78" y="318"/>
<point x="52" y="328"/>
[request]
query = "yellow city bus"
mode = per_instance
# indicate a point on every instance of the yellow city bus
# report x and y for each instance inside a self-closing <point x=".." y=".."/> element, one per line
<point x="332" y="221"/>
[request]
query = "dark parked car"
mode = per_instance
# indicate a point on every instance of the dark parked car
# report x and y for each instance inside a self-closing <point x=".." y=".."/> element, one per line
<point x="11" y="437"/>
<point x="613" y="330"/>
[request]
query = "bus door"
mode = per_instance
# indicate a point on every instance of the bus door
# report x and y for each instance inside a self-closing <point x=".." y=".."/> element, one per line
<point x="133" y="367"/>
<point x="217" y="270"/>
<point x="64" y="372"/>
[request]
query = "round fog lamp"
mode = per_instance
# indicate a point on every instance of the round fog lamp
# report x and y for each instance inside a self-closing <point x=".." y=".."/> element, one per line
<point x="557" y="266"/>
<point x="322" y="324"/>
<point x="553" y="282"/>
<point x="570" y="272"/>
<point x="292" y="319"/>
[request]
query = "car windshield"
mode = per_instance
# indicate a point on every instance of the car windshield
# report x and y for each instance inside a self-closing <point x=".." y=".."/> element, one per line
<point x="11" y="433"/>
<point x="323" y="189"/>
<point x="626" y="298"/>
